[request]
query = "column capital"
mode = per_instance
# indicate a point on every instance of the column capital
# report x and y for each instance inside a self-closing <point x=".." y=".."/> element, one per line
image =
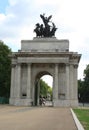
<point x="29" y="64"/>
<point x="23" y="64"/>
<point x="56" y="64"/>
<point x="75" y="66"/>
<point x="67" y="64"/>
<point x="18" y="64"/>
<point x="13" y="65"/>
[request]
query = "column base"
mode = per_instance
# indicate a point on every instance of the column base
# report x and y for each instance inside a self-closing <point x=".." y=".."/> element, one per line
<point x="65" y="103"/>
<point x="20" y="102"/>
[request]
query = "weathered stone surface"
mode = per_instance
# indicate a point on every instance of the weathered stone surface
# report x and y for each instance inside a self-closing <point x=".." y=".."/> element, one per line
<point x="42" y="56"/>
<point x="44" y="45"/>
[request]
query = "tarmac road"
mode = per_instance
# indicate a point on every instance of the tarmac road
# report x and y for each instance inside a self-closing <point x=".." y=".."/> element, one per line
<point x="35" y="118"/>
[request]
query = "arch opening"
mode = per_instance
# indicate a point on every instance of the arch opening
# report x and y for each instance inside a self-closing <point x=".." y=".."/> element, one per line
<point x="43" y="93"/>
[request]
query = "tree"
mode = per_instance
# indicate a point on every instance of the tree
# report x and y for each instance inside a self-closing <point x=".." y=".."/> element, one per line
<point x="45" y="89"/>
<point x="86" y="83"/>
<point x="80" y="90"/>
<point x="5" y="70"/>
<point x="83" y="87"/>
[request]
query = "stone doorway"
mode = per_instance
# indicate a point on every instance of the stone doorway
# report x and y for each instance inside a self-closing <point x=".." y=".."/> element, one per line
<point x="38" y="94"/>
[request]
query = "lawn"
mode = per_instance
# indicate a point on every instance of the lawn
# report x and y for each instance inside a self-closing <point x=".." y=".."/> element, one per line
<point x="83" y="116"/>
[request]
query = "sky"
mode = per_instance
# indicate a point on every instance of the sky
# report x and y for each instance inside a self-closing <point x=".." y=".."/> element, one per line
<point x="71" y="17"/>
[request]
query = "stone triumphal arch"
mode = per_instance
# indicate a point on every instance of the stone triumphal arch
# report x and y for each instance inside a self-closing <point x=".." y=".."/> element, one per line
<point x="42" y="56"/>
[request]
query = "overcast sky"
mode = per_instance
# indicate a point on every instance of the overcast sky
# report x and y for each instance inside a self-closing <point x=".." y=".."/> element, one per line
<point x="18" y="19"/>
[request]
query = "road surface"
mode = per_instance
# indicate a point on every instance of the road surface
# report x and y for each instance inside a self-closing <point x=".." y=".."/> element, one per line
<point x="35" y="118"/>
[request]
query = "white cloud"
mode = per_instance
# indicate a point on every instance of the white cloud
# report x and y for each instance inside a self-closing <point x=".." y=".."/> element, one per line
<point x="70" y="16"/>
<point x="2" y="18"/>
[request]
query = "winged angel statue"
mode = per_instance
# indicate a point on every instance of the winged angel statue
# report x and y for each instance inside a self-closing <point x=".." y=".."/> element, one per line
<point x="45" y="29"/>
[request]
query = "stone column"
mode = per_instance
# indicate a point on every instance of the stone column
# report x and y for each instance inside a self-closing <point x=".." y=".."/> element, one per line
<point x="75" y="82"/>
<point x="38" y="93"/>
<point x="12" y="81"/>
<point x="29" y="81"/>
<point x="71" y="81"/>
<point x="18" y="81"/>
<point x="55" y="92"/>
<point x="67" y="82"/>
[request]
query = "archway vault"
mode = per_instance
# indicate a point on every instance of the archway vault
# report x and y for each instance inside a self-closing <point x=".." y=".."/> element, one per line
<point x="42" y="73"/>
<point x="37" y="85"/>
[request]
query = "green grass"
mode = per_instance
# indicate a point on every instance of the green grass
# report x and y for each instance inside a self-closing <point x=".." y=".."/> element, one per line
<point x="83" y="116"/>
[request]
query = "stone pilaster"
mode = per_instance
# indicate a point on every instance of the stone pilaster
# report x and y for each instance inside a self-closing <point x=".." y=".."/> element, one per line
<point x="67" y="81"/>
<point x="75" y="82"/>
<point x="29" y="81"/>
<point x="12" y="81"/>
<point x="71" y="82"/>
<point x="18" y="81"/>
<point x="55" y="83"/>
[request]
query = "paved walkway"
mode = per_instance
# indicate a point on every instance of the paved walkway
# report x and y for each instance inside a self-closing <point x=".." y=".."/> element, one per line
<point x="44" y="118"/>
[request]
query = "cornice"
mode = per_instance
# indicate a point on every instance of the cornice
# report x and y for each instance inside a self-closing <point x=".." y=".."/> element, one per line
<point x="70" y="55"/>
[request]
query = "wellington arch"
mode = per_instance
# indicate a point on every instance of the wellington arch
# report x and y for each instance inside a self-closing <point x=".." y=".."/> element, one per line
<point x="45" y="54"/>
<point x="42" y="56"/>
